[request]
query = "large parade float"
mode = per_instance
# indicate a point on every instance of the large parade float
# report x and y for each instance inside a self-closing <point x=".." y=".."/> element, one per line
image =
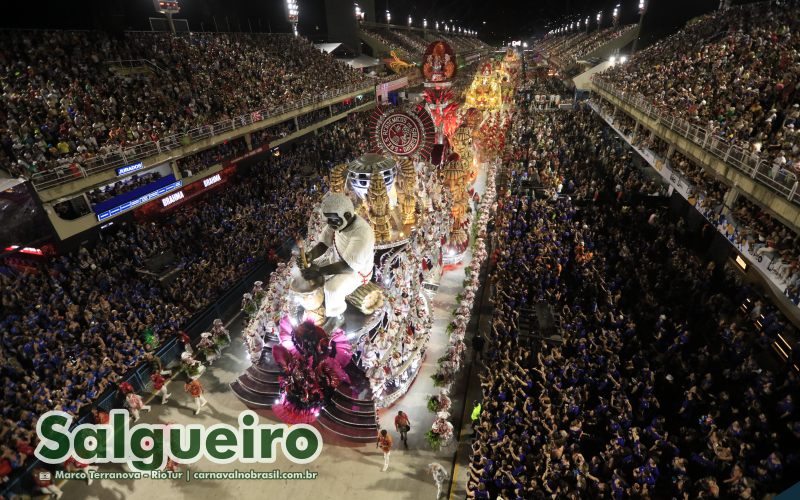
<point x="342" y="328"/>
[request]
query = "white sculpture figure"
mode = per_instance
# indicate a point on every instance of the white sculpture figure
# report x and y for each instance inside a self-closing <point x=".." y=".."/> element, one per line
<point x="344" y="256"/>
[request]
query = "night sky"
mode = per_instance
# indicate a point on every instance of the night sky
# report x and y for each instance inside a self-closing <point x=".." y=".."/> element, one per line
<point x="504" y="19"/>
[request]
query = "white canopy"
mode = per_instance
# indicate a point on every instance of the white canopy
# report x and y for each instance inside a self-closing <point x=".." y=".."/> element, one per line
<point x="583" y="81"/>
<point x="362" y="61"/>
<point x="327" y="47"/>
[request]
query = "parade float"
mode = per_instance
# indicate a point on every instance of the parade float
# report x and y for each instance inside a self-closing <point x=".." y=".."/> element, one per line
<point x="311" y="363"/>
<point x="481" y="133"/>
<point x="302" y="369"/>
<point x="484" y="92"/>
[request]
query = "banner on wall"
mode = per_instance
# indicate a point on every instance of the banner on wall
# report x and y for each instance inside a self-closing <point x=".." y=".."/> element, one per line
<point x="382" y="90"/>
<point x="255" y="151"/>
<point x="189" y="191"/>
<point x="135" y="202"/>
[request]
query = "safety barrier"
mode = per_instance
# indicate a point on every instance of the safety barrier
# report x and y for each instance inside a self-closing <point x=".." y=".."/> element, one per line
<point x="752" y="164"/>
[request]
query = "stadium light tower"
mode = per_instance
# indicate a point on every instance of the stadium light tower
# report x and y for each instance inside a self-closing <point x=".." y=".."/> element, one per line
<point x="425" y="24"/>
<point x="642" y="10"/>
<point x="293" y="14"/>
<point x="359" y="13"/>
<point x="409" y="20"/>
<point x="587" y="24"/>
<point x="615" y="16"/>
<point x="388" y="17"/>
<point x="599" y="19"/>
<point x="168" y="8"/>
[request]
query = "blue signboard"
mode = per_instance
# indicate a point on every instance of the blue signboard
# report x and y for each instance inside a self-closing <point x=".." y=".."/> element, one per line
<point x="129" y="168"/>
<point x="138" y="201"/>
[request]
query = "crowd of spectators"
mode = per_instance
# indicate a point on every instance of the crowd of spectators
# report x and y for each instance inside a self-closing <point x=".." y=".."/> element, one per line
<point x="278" y="131"/>
<point x="569" y="53"/>
<point x="399" y="50"/>
<point x="539" y="83"/>
<point x="313" y="117"/>
<point x="733" y="72"/>
<point x="766" y="237"/>
<point x="463" y="44"/>
<point x="342" y="106"/>
<point x="409" y="42"/>
<point x="75" y="326"/>
<point x="749" y="227"/>
<point x="565" y="50"/>
<point x="657" y="389"/>
<point x="410" y="46"/>
<point x="122" y="186"/>
<point x="200" y="161"/>
<point x="64" y="100"/>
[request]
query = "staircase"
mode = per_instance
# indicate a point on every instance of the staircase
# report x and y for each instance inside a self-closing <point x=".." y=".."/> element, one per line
<point x="258" y="387"/>
<point x="351" y="414"/>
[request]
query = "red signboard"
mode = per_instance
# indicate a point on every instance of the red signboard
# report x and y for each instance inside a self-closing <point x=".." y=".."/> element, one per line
<point x="400" y="134"/>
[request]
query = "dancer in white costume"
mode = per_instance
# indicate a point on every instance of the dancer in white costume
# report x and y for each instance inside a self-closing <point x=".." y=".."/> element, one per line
<point x="440" y="475"/>
<point x="344" y="256"/>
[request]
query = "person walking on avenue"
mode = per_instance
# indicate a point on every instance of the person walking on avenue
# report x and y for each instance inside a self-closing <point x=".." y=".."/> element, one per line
<point x="160" y="387"/>
<point x="385" y="444"/>
<point x="475" y="417"/>
<point x="133" y="401"/>
<point x="402" y="425"/>
<point x="477" y="346"/>
<point x="440" y="475"/>
<point x="196" y="390"/>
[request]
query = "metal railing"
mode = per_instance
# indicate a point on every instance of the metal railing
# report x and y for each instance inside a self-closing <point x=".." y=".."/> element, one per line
<point x="757" y="166"/>
<point x="142" y="151"/>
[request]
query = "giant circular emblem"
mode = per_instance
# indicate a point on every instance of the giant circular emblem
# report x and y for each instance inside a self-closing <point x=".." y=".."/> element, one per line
<point x="400" y="133"/>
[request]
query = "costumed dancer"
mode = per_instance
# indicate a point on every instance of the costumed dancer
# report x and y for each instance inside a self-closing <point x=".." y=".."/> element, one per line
<point x="187" y="342"/>
<point x="73" y="465"/>
<point x="195" y="388"/>
<point x="191" y="366"/>
<point x="221" y="335"/>
<point x="440" y="475"/>
<point x="160" y="386"/>
<point x="208" y="348"/>
<point x="254" y="345"/>
<point x="344" y="256"/>
<point x="385" y="444"/>
<point x="133" y="401"/>
<point x="44" y="481"/>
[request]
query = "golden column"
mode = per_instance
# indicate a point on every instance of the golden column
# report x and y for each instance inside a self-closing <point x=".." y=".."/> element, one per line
<point x="378" y="201"/>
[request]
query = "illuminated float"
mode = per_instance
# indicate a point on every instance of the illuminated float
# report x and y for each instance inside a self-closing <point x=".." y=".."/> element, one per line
<point x="485" y="93"/>
<point x="413" y="192"/>
<point x="339" y="377"/>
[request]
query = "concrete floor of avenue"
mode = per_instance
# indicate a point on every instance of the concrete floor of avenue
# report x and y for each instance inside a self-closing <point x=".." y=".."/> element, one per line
<point x="345" y="470"/>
